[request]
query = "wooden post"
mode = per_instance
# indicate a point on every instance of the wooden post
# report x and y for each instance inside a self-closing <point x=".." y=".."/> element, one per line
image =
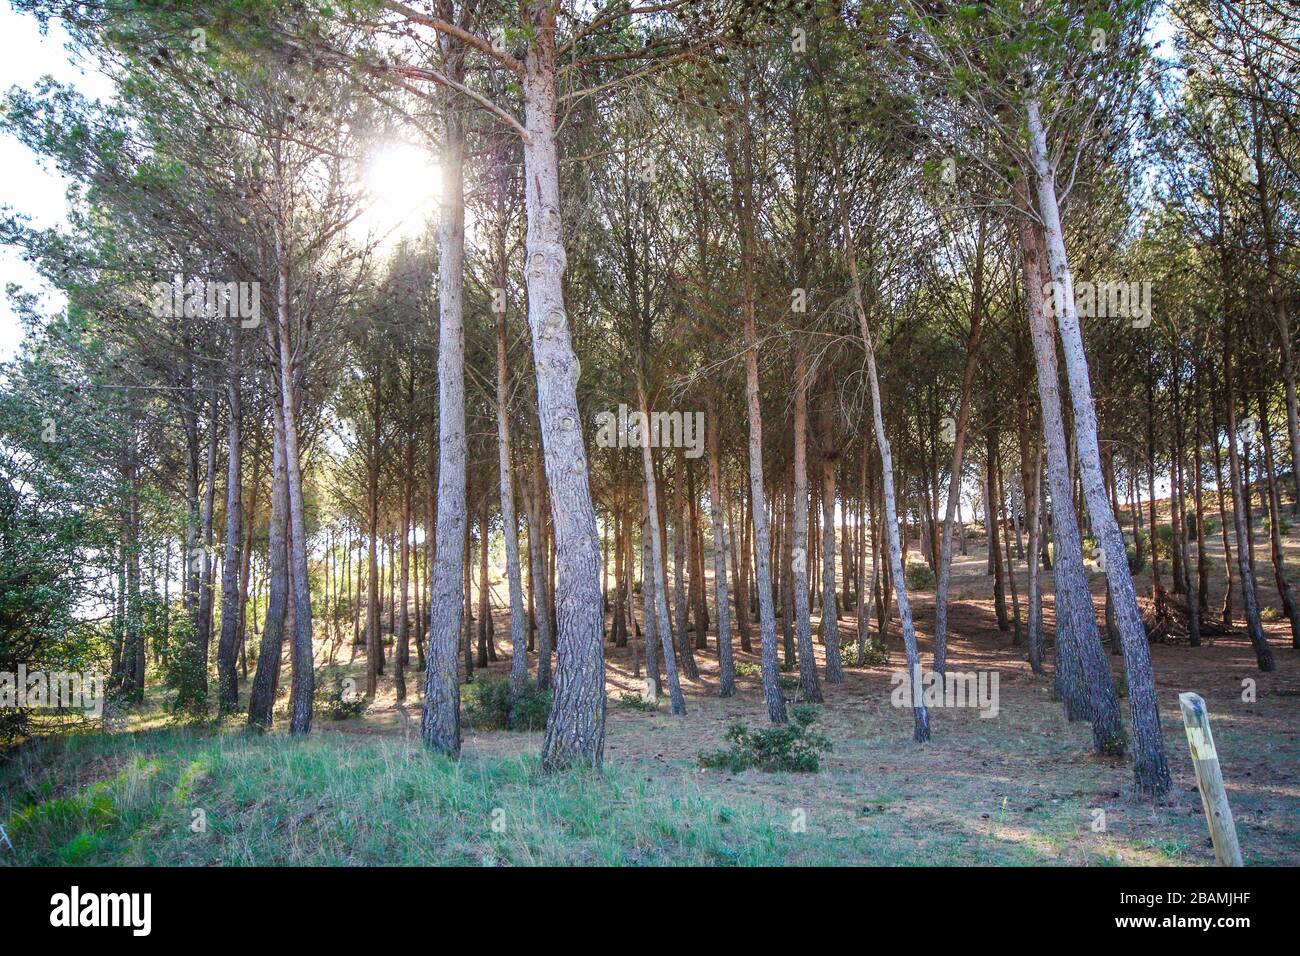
<point x="1209" y="779"/>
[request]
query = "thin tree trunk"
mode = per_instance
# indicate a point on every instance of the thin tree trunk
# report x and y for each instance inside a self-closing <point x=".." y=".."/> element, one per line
<point x="1249" y="597"/>
<point x="799" y="560"/>
<point x="228" y="645"/>
<point x="261" y="699"/>
<point x="722" y="613"/>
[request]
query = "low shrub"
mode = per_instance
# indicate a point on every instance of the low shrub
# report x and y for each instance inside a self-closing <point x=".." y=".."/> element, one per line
<point x="919" y="576"/>
<point x="487" y="705"/>
<point x="337" y="697"/>
<point x="788" y="748"/>
<point x="636" y="702"/>
<point x="874" y="654"/>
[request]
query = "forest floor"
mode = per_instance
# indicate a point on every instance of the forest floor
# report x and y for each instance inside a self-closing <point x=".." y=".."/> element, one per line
<point x="1018" y="788"/>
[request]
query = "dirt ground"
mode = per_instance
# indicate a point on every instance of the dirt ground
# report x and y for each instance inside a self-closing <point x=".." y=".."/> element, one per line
<point x="1019" y="787"/>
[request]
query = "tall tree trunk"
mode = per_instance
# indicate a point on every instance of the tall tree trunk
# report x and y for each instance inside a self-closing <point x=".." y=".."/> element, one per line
<point x="532" y="492"/>
<point x="302" y="691"/>
<point x="726" y="664"/>
<point x="1035" y="596"/>
<point x="681" y="535"/>
<point x="920" y="715"/>
<point x="1150" y="767"/>
<point x="203" y="632"/>
<point x="993" y="505"/>
<point x="1274" y="529"/>
<point x="509" y="522"/>
<point x="1249" y="597"/>
<point x="440" y="718"/>
<point x="402" y="652"/>
<point x="830" y="606"/>
<point x="575" y="732"/>
<point x="261" y="700"/>
<point x="655" y="570"/>
<point x="374" y="637"/>
<point x="1083" y="679"/>
<point x="228" y="646"/>
<point x="955" y="467"/>
<point x="808" y="679"/>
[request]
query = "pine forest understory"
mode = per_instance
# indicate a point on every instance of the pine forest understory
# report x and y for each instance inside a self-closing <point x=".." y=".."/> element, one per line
<point x="760" y="432"/>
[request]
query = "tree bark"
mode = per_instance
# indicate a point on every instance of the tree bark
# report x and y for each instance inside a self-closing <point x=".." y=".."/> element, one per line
<point x="1150" y="767"/>
<point x="228" y="645"/>
<point x="722" y="613"/>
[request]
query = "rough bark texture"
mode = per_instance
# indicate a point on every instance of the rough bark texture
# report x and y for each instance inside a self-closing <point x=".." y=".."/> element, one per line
<point x="261" y="699"/>
<point x="440" y="719"/>
<point x="1083" y="678"/>
<point x="1150" y="768"/>
<point x="575" y="732"/>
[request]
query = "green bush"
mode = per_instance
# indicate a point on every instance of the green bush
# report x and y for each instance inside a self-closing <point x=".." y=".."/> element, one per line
<point x="184" y="671"/>
<point x="487" y="705"/>
<point x="750" y="669"/>
<point x="1271" y="615"/>
<point x="790" y="748"/>
<point x="336" y="696"/>
<point x="876" y="654"/>
<point x="636" y="702"/>
<point x="1283" y="525"/>
<point x="919" y="576"/>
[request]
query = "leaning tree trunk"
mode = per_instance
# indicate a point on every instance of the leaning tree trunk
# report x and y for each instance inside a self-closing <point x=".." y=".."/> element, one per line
<point x="726" y="664"/>
<point x="920" y="715"/>
<point x="1083" y="678"/>
<point x="440" y="720"/>
<point x="1150" y="767"/>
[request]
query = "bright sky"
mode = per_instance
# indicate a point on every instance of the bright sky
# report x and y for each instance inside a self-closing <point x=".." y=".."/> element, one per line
<point x="26" y="56"/>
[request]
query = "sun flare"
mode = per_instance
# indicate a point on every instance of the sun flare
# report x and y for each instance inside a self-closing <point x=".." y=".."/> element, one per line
<point x="402" y="184"/>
